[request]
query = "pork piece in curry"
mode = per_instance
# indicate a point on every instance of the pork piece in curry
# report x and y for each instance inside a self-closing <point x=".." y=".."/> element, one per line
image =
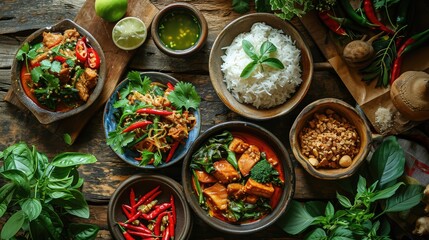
<point x="235" y="180"/>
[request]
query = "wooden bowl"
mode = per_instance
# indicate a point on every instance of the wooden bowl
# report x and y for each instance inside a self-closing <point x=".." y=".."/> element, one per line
<point x="263" y="135"/>
<point x="142" y="184"/>
<point x="174" y="7"/>
<point x="343" y="110"/>
<point x="43" y="115"/>
<point x="225" y="38"/>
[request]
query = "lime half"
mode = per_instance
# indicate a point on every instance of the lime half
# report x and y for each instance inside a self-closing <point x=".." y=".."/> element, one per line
<point x="129" y="33"/>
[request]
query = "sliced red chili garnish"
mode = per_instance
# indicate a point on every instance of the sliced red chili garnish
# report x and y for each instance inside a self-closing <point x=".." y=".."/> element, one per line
<point x="93" y="58"/>
<point x="81" y="50"/>
<point x="60" y="59"/>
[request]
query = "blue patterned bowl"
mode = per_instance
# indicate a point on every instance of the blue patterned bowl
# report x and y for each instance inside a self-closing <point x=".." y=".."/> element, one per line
<point x="109" y="123"/>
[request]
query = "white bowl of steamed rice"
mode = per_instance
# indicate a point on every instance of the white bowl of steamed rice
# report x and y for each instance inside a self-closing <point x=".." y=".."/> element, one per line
<point x="260" y="67"/>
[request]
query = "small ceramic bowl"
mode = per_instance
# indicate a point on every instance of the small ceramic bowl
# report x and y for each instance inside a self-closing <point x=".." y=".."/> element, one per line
<point x="109" y="123"/>
<point x="184" y="8"/>
<point x="262" y="135"/>
<point x="142" y="184"/>
<point x="344" y="110"/>
<point x="225" y="38"/>
<point x="43" y="115"/>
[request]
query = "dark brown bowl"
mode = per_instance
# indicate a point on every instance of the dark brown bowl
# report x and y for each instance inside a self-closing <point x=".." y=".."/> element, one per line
<point x="173" y="7"/>
<point x="143" y="183"/>
<point x="344" y="110"/>
<point x="225" y="38"/>
<point x="283" y="157"/>
<point x="45" y="116"/>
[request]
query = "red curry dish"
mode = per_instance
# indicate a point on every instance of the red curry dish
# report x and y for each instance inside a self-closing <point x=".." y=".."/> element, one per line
<point x="237" y="177"/>
<point x="59" y="73"/>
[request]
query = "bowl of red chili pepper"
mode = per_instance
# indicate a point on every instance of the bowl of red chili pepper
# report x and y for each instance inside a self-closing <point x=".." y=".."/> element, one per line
<point x="238" y="177"/>
<point x="151" y="119"/>
<point x="58" y="71"/>
<point x="149" y="207"/>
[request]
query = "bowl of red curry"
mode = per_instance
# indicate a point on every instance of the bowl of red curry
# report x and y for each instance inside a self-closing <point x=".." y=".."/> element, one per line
<point x="58" y="71"/>
<point x="238" y="177"/>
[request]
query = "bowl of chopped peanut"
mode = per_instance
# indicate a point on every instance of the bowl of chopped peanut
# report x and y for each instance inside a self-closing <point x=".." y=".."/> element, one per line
<point x="330" y="139"/>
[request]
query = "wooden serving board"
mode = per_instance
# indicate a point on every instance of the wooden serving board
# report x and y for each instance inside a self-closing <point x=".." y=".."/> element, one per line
<point x="369" y="98"/>
<point x="116" y="60"/>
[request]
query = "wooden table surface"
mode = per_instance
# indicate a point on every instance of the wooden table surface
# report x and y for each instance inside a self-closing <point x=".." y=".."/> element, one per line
<point x="18" y="20"/>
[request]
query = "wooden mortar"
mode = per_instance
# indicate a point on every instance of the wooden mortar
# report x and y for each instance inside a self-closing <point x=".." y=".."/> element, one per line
<point x="410" y="95"/>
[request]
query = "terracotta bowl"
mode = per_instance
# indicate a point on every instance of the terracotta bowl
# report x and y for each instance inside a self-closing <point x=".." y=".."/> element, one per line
<point x="225" y="38"/>
<point x="344" y="110"/>
<point x="174" y="7"/>
<point x="142" y="184"/>
<point x="110" y="123"/>
<point x="286" y="165"/>
<point x="45" y="116"/>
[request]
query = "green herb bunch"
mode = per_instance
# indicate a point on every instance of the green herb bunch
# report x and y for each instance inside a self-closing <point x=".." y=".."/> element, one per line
<point x="285" y="9"/>
<point x="361" y="216"/>
<point x="263" y="58"/>
<point x="37" y="194"/>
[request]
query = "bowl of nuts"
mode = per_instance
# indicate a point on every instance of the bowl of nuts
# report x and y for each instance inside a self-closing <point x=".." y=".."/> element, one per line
<point x="330" y="139"/>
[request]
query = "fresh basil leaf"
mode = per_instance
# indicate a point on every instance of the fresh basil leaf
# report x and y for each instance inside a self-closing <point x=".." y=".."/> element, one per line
<point x="41" y="161"/>
<point x="12" y="225"/>
<point x="329" y="210"/>
<point x="296" y="219"/>
<point x="315" y="208"/>
<point x="80" y="231"/>
<point x="46" y="226"/>
<point x="5" y="191"/>
<point x="386" y="193"/>
<point x="241" y="6"/>
<point x="3" y="209"/>
<point x="388" y="162"/>
<point x="274" y="63"/>
<point x="19" y="179"/>
<point x="19" y="157"/>
<point x="39" y="228"/>
<point x="361" y="187"/>
<point x="406" y="198"/>
<point x="57" y="184"/>
<point x="77" y="206"/>
<point x="56" y="67"/>
<point x="60" y="172"/>
<point x="32" y="208"/>
<point x="344" y="201"/>
<point x="69" y="159"/>
<point x="66" y="195"/>
<point x="249" y="49"/>
<point x="45" y="64"/>
<point x="67" y="138"/>
<point x="247" y="71"/>
<point x="267" y="47"/>
<point x="317" y="234"/>
<point x="36" y="73"/>
<point x="342" y="233"/>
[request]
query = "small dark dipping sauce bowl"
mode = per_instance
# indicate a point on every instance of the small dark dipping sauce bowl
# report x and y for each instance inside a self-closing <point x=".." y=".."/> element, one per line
<point x="179" y="30"/>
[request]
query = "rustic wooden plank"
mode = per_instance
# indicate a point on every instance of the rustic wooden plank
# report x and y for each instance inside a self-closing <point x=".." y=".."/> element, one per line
<point x="15" y="15"/>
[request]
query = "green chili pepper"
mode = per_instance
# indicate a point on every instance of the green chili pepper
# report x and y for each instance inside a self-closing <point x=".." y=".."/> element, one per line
<point x="359" y="19"/>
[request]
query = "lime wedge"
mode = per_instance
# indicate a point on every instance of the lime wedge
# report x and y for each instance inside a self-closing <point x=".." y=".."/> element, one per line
<point x="129" y="33"/>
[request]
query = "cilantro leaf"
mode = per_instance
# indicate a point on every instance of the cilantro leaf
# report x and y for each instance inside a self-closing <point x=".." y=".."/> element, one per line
<point x="118" y="140"/>
<point x="147" y="157"/>
<point x="70" y="62"/>
<point x="36" y="73"/>
<point x="34" y="51"/>
<point x="240" y="6"/>
<point x="56" y="67"/>
<point x="22" y="51"/>
<point x="45" y="64"/>
<point x="136" y="83"/>
<point x="184" y="96"/>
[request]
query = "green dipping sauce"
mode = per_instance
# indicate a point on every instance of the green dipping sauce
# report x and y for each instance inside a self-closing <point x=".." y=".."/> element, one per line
<point x="179" y="30"/>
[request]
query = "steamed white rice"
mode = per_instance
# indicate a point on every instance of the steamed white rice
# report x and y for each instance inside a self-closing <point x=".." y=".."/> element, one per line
<point x="268" y="88"/>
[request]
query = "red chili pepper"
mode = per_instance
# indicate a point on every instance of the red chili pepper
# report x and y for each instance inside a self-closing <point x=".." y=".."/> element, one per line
<point x="171" y="224"/>
<point x="140" y="124"/>
<point x="93" y="58"/>
<point x="170" y="86"/>
<point x="60" y="59"/>
<point x="172" y="151"/>
<point x="140" y="234"/>
<point x="134" y="217"/>
<point x="372" y="17"/>
<point x="154" y="111"/>
<point x="145" y="197"/>
<point x="396" y="69"/>
<point x="126" y="211"/>
<point x="35" y="64"/>
<point x="151" y="198"/>
<point x="414" y="41"/>
<point x="173" y="208"/>
<point x="126" y="234"/>
<point x="166" y="234"/>
<point x="81" y="50"/>
<point x="156" y="229"/>
<point x="157" y="212"/>
<point x="332" y="24"/>
<point x="135" y="228"/>
<point x="132" y="197"/>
